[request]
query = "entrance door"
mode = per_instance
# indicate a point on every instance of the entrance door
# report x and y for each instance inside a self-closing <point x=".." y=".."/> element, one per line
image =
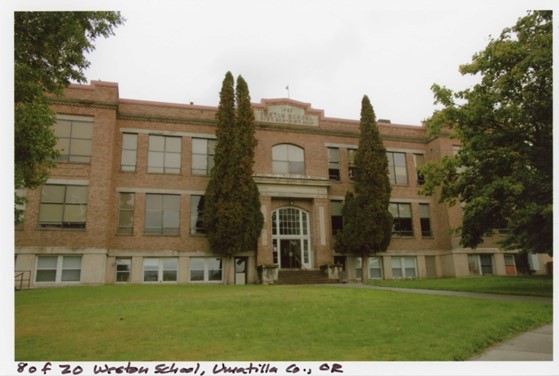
<point x="290" y="250"/>
<point x="291" y="238"/>
<point x="240" y="270"/>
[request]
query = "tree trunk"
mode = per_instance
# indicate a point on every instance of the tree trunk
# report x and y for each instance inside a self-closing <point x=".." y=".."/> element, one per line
<point x="364" y="267"/>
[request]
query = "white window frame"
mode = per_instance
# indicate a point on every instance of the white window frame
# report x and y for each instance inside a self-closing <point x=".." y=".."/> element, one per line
<point x="161" y="269"/>
<point x="59" y="269"/>
<point x="206" y="270"/>
<point x="403" y="267"/>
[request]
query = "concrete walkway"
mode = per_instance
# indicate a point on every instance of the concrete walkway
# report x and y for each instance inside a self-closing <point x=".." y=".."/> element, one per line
<point x="533" y="345"/>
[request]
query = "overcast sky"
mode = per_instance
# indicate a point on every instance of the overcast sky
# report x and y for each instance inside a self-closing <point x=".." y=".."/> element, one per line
<point x="330" y="53"/>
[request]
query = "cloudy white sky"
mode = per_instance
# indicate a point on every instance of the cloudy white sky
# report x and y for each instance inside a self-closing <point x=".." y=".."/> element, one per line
<point x="329" y="53"/>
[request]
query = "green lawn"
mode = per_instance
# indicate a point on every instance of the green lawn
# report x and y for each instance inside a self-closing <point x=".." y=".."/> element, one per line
<point x="272" y="323"/>
<point x="533" y="286"/>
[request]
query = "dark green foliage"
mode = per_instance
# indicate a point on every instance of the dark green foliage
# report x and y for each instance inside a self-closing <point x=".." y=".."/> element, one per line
<point x="232" y="213"/>
<point x="367" y="222"/>
<point x="49" y="49"/>
<point x="503" y="172"/>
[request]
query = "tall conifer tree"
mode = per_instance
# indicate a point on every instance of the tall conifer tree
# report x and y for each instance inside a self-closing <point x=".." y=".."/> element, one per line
<point x="367" y="222"/>
<point x="232" y="206"/>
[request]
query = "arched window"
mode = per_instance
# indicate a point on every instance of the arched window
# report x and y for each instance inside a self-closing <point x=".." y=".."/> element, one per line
<point x="288" y="160"/>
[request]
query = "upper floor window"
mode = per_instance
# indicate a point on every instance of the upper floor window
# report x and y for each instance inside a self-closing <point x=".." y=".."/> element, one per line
<point x="63" y="206"/>
<point x="196" y="214"/>
<point x="334" y="163"/>
<point x="336" y="217"/>
<point x="402" y="219"/>
<point x="129" y="148"/>
<point x="288" y="160"/>
<point x="74" y="134"/>
<point x="203" y="152"/>
<point x="164" y="154"/>
<point x="126" y="213"/>
<point x="352" y="167"/>
<point x="425" y="220"/>
<point x="419" y="160"/>
<point x="397" y="169"/>
<point x="162" y="214"/>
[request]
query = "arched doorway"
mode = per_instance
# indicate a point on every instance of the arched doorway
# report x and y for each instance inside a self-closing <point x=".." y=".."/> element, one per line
<point x="291" y="238"/>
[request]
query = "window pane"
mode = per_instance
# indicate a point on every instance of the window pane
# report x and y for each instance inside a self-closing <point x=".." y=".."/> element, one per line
<point x="171" y="220"/>
<point x="53" y="193"/>
<point x="173" y="160"/>
<point x="173" y="144"/>
<point x="76" y="194"/>
<point x="196" y="264"/>
<point x="80" y="147"/>
<point x="199" y="164"/>
<point x="295" y="153"/>
<point x="169" y="275"/>
<point x="170" y="263"/>
<point x="71" y="262"/>
<point x="336" y="207"/>
<point x="127" y="201"/>
<point x="126" y="219"/>
<point x="51" y="213"/>
<point x="154" y="202"/>
<point x="128" y="161"/>
<point x="62" y="128"/>
<point x="63" y="146"/>
<point x="129" y="141"/>
<point x="151" y="264"/>
<point x="199" y="146"/>
<point x="424" y="211"/>
<point x="82" y="130"/>
<point x="280" y="167"/>
<point x="155" y="161"/>
<point x="157" y="143"/>
<point x="123" y="265"/>
<point x="71" y="275"/>
<point x="333" y="155"/>
<point x="74" y="213"/>
<point x="196" y="275"/>
<point x="47" y="262"/>
<point x="171" y="202"/>
<point x="405" y="210"/>
<point x="45" y="276"/>
<point x="279" y="153"/>
<point x="150" y="276"/>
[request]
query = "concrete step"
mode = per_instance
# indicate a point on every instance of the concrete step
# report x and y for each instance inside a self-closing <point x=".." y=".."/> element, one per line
<point x="302" y="277"/>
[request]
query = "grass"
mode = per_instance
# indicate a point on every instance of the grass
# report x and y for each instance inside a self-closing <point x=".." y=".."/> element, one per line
<point x="531" y="286"/>
<point x="272" y="323"/>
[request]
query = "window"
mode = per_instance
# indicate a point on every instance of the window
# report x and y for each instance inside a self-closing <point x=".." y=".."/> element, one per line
<point x="63" y="206"/>
<point x="160" y="269"/>
<point x="203" y="152"/>
<point x="334" y="163"/>
<point x="58" y="269"/>
<point x="510" y="267"/>
<point x="404" y="267"/>
<point x="419" y="160"/>
<point x="375" y="267"/>
<point x="206" y="269"/>
<point x="125" y="214"/>
<point x="402" y="219"/>
<point x="352" y="167"/>
<point x="129" y="147"/>
<point x="162" y="214"/>
<point x="397" y="169"/>
<point x="196" y="212"/>
<point x="480" y="264"/>
<point x="164" y="154"/>
<point x="336" y="216"/>
<point x="123" y="267"/>
<point x="74" y="134"/>
<point x="288" y="160"/>
<point x="425" y="220"/>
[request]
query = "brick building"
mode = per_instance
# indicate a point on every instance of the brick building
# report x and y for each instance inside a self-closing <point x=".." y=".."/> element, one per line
<point x="123" y="203"/>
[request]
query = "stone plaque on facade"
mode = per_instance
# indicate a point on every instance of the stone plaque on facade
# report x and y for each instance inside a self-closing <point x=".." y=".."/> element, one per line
<point x="285" y="114"/>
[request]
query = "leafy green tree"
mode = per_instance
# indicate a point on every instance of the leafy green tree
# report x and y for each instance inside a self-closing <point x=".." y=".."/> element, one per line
<point x="367" y="222"/>
<point x="49" y="53"/>
<point x="502" y="175"/>
<point x="232" y="205"/>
